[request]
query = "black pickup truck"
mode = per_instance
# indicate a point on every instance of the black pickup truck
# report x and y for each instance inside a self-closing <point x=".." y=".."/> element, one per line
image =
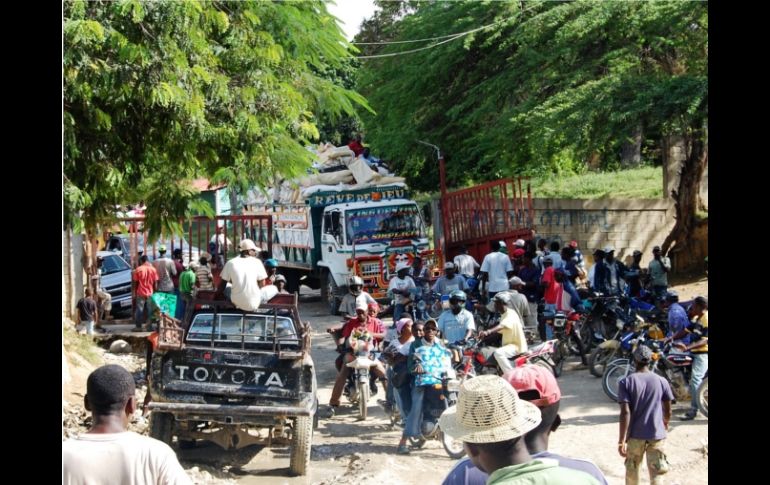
<point x="236" y="378"/>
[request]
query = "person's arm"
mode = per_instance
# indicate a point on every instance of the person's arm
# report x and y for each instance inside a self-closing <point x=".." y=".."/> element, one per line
<point x="470" y="327"/>
<point x="475" y="263"/>
<point x="665" y="264"/>
<point x="221" y="289"/>
<point x="625" y="420"/>
<point x="508" y="267"/>
<point x="666" y="413"/>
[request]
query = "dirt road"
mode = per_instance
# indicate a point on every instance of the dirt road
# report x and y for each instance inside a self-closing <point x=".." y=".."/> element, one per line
<point x="347" y="451"/>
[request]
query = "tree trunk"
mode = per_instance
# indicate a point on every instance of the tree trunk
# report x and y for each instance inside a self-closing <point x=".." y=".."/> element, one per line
<point x="631" y="152"/>
<point x="686" y="197"/>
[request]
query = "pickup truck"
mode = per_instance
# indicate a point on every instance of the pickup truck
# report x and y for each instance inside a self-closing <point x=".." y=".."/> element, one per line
<point x="235" y="378"/>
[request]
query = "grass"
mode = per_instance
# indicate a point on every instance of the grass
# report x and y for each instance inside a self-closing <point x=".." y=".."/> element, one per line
<point x="82" y="345"/>
<point x="644" y="182"/>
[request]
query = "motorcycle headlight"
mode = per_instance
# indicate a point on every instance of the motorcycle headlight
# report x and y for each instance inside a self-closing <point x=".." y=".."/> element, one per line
<point x="620" y="324"/>
<point x="559" y="322"/>
<point x="422" y="305"/>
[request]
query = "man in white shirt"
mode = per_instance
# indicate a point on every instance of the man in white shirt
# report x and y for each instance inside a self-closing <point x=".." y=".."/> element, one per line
<point x="108" y="453"/>
<point x="247" y="276"/>
<point x="496" y="269"/>
<point x="218" y="245"/>
<point x="399" y="286"/>
<point x="466" y="264"/>
<point x="166" y="269"/>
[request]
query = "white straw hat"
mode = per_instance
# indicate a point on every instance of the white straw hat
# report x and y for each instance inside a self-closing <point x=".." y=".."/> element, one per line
<point x="489" y="410"/>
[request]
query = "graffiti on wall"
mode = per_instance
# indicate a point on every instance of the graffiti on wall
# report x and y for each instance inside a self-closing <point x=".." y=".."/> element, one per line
<point x="594" y="219"/>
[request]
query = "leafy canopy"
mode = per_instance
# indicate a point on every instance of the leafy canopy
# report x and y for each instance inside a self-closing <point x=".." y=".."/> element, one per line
<point x="548" y="86"/>
<point x="158" y="93"/>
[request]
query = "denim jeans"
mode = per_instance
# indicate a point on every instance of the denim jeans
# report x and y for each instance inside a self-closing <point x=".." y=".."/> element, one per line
<point x="700" y="365"/>
<point x="143" y="310"/>
<point x="404" y="399"/>
<point x="414" y="418"/>
<point x="389" y="390"/>
<point x="397" y="311"/>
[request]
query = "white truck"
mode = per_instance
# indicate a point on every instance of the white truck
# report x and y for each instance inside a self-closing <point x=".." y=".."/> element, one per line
<point x="339" y="233"/>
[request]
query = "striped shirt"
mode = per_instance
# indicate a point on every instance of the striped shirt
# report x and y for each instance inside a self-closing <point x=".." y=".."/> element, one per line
<point x="204" y="278"/>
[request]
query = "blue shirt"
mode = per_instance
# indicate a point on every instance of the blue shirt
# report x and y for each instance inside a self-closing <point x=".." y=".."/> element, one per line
<point x="454" y="327"/>
<point x="644" y="392"/>
<point x="446" y="286"/>
<point x="530" y="275"/>
<point x="464" y="473"/>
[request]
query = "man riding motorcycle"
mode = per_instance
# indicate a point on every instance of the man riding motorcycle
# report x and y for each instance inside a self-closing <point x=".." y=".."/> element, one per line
<point x="355" y="294"/>
<point x="375" y="328"/>
<point x="456" y="323"/>
<point x="511" y="327"/>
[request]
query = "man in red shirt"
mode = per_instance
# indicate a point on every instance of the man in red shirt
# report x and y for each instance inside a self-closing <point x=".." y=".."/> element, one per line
<point x="145" y="282"/>
<point x="356" y="146"/>
<point x="376" y="330"/>
<point x="552" y="290"/>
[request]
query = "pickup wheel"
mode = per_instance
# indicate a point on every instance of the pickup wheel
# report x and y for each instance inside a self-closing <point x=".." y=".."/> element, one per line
<point x="301" y="442"/>
<point x="162" y="427"/>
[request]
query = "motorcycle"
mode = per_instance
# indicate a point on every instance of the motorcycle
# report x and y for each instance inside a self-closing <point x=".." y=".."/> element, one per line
<point x="619" y="346"/>
<point x="563" y="328"/>
<point x="675" y="367"/>
<point x="477" y="358"/>
<point x="438" y="398"/>
<point x="360" y="372"/>
<point x="351" y="386"/>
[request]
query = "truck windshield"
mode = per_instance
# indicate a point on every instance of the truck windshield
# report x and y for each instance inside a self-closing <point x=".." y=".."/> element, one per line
<point x="379" y="224"/>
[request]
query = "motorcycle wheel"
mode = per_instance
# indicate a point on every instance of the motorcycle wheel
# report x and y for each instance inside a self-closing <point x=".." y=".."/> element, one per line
<point x="703" y="397"/>
<point x="452" y="447"/>
<point x="597" y="361"/>
<point x="363" y="399"/>
<point x="577" y="348"/>
<point x="559" y="356"/>
<point x="544" y="363"/>
<point x="615" y="371"/>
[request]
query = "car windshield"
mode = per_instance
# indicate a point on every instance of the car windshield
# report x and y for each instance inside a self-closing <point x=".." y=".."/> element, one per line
<point x="113" y="264"/>
<point x="381" y="224"/>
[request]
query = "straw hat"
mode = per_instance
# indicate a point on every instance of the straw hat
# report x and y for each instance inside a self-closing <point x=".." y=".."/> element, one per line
<point x="488" y="410"/>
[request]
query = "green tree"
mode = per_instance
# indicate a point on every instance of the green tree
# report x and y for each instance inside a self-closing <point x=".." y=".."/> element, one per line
<point x="548" y="86"/>
<point x="157" y="93"/>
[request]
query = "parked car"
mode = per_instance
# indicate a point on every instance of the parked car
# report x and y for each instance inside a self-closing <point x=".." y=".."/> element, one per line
<point x="121" y="244"/>
<point x="116" y="280"/>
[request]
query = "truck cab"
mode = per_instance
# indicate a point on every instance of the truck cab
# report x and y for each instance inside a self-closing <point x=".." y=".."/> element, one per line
<point x="368" y="239"/>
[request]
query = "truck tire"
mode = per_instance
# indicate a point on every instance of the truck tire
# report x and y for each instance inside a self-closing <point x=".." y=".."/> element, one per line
<point x="331" y="291"/>
<point x="162" y="426"/>
<point x="301" y="441"/>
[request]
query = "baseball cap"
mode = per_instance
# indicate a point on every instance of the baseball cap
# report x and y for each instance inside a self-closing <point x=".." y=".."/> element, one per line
<point x="502" y="244"/>
<point x="656" y="248"/>
<point x="642" y="353"/>
<point x="637" y="252"/>
<point x="520" y="243"/>
<point x="518" y="252"/>
<point x="449" y="265"/>
<point x="361" y="305"/>
<point x="608" y="248"/>
<point x="548" y="259"/>
<point x="515" y="281"/>
<point x="535" y="378"/>
<point x="573" y="244"/>
<point x="162" y="248"/>
<point x="503" y="297"/>
<point x="402" y="265"/>
<point x="248" y="244"/>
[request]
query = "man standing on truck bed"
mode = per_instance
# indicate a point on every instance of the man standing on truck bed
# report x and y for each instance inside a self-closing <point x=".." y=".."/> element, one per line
<point x="247" y="275"/>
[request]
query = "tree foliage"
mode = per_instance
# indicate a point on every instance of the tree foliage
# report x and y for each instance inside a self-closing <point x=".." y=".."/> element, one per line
<point x="548" y="86"/>
<point x="157" y="93"/>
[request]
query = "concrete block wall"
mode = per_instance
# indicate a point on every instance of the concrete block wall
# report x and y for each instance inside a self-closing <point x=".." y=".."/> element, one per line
<point x="627" y="224"/>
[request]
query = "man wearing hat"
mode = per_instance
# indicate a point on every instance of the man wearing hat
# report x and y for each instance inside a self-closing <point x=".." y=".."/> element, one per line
<point x="610" y="274"/>
<point x="247" y="276"/>
<point x="451" y="281"/>
<point x="634" y="274"/>
<point x="399" y="286"/>
<point x="698" y="327"/>
<point x="511" y="327"/>
<point x="218" y="245"/>
<point x="659" y="268"/>
<point x="518" y="302"/>
<point x="491" y="420"/>
<point x="645" y="410"/>
<point x="165" y="269"/>
<point x="598" y="258"/>
<point x="537" y="385"/>
<point x="496" y="269"/>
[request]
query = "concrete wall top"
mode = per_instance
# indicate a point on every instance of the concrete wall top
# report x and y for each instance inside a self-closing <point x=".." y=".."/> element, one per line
<point x="601" y="204"/>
